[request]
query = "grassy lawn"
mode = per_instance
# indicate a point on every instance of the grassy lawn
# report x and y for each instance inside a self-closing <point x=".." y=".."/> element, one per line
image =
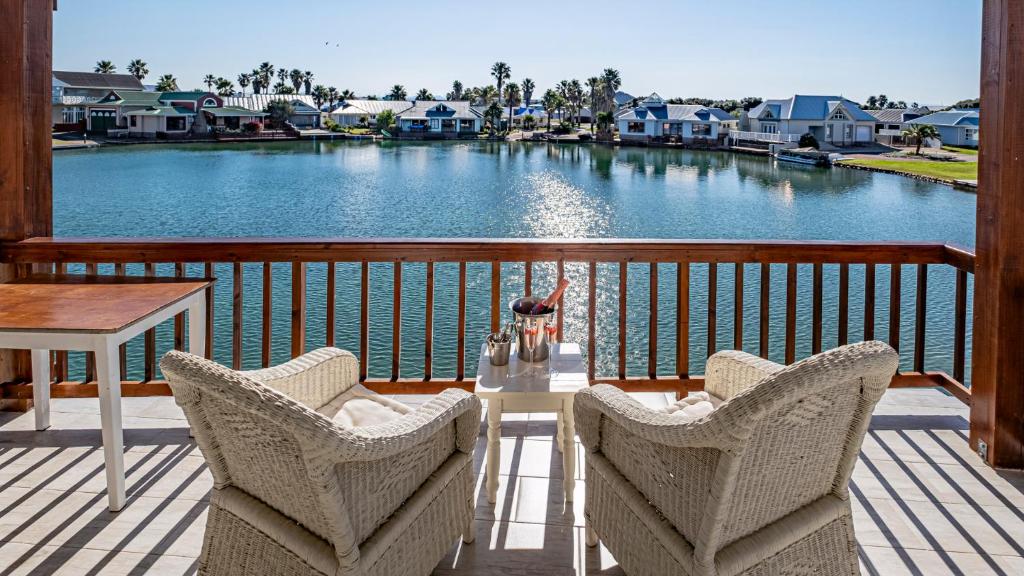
<point x="942" y="170"/>
<point x="959" y="150"/>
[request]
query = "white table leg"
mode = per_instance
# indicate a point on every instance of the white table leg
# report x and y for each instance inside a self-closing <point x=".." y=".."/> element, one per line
<point x="559" y="440"/>
<point x="108" y="372"/>
<point x="41" y="387"/>
<point x="493" y="447"/>
<point x="197" y="326"/>
<point x="568" y="450"/>
<point x="591" y="535"/>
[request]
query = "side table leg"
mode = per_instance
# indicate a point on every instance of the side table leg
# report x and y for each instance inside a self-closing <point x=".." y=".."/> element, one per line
<point x="568" y="450"/>
<point x="41" y="387"/>
<point x="108" y="372"/>
<point x="493" y="447"/>
<point x="559" y="439"/>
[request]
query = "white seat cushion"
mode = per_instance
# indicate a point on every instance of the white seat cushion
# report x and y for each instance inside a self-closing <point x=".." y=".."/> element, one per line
<point x="359" y="407"/>
<point x="692" y="407"/>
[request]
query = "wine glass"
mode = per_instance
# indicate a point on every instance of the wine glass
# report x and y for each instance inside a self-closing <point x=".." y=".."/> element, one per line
<point x="530" y="332"/>
<point x="551" y="337"/>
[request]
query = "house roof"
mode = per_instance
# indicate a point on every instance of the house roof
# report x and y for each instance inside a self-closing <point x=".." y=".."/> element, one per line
<point x="97" y="80"/>
<point x="162" y="111"/>
<point x="372" y="107"/>
<point x="191" y="96"/>
<point x="131" y="98"/>
<point x="455" y="109"/>
<point x="623" y="98"/>
<point x="803" y="107"/>
<point x="896" y="115"/>
<point x="232" y="111"/>
<point x="654" y="108"/>
<point x="534" y="111"/>
<point x="949" y="118"/>
<point x="259" y="102"/>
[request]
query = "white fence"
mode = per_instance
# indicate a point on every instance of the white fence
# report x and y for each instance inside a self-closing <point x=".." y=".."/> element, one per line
<point x="775" y="137"/>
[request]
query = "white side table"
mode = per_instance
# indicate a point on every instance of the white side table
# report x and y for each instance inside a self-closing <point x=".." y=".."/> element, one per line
<point x="540" y="387"/>
<point x="95" y="314"/>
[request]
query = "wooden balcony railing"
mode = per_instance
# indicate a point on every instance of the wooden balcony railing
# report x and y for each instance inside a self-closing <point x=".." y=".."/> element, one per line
<point x="594" y="262"/>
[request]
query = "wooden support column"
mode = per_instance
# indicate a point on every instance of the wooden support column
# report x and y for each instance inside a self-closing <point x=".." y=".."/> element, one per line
<point x="26" y="191"/>
<point x="997" y="377"/>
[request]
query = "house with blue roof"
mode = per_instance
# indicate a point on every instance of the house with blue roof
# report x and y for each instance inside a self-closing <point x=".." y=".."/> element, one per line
<point x="956" y="127"/>
<point x="654" y="119"/>
<point x="830" y="119"/>
<point x="448" y="117"/>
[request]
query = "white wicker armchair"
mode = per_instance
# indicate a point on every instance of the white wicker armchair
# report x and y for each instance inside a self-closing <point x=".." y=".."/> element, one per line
<point x="759" y="486"/>
<point x="296" y="493"/>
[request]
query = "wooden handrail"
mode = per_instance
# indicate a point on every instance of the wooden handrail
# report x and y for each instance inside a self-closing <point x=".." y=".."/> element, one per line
<point x="129" y="250"/>
<point x="621" y="254"/>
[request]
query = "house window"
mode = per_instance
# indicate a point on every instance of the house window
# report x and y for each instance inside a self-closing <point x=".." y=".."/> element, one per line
<point x="133" y="121"/>
<point x="830" y="131"/>
<point x="636" y="127"/>
<point x="175" y="124"/>
<point x="894" y="126"/>
<point x="848" y="132"/>
<point x="701" y="129"/>
<point x="210" y="102"/>
<point x="769" y="128"/>
<point x="839" y="115"/>
<point x="971" y="133"/>
<point x="232" y="122"/>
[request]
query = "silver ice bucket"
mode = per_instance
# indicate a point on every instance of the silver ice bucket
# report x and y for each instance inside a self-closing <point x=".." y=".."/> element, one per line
<point x="534" y="324"/>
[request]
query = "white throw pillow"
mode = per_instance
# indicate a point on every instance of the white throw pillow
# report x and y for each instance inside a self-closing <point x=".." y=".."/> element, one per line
<point x="690" y="408"/>
<point x="360" y="406"/>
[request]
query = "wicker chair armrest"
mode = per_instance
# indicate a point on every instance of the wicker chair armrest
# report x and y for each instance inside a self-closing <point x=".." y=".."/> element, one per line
<point x="730" y="372"/>
<point x="453" y="406"/>
<point x="606" y="401"/>
<point x="313" y="379"/>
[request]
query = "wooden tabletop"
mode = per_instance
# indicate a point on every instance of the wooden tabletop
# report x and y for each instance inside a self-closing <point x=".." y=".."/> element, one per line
<point x="94" y="304"/>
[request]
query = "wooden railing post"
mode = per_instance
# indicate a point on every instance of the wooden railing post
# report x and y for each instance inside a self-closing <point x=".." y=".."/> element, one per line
<point x="298" y="308"/>
<point x="26" y="189"/>
<point x="997" y="383"/>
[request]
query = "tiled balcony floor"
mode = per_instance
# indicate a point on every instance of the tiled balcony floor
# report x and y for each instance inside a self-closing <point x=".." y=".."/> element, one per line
<point x="923" y="503"/>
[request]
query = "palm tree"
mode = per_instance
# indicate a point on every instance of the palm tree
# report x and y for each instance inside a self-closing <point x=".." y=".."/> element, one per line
<point x="551" y="101"/>
<point x="576" y="97"/>
<point x="594" y="84"/>
<point x="138" y="69"/>
<point x="257" y="80"/>
<point x="345" y="94"/>
<point x="243" y="81"/>
<point x="279" y="88"/>
<point x="167" y="83"/>
<point x="105" y="67"/>
<point x="397" y="92"/>
<point x="492" y="115"/>
<point x="456" y="93"/>
<point x="424" y="94"/>
<point x="266" y="74"/>
<point x="920" y="132"/>
<point x="501" y="73"/>
<point x="488" y="94"/>
<point x="528" y="88"/>
<point x="882" y="100"/>
<point x="333" y="96"/>
<point x="320" y="95"/>
<point x="209" y="80"/>
<point x="611" y="81"/>
<point x="307" y="81"/>
<point x="872" y="102"/>
<point x="225" y="87"/>
<point x="296" y="77"/>
<point x="282" y="75"/>
<point x="512" y="98"/>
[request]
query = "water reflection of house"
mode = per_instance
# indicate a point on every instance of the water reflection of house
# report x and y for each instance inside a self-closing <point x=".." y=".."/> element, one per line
<point x="654" y="119"/>
<point x="440" y="117"/>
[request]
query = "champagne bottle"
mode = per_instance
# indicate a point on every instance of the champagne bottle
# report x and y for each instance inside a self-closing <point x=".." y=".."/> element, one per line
<point x="552" y="299"/>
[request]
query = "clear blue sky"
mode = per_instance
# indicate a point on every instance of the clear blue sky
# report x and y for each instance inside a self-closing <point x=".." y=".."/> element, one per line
<point x="914" y="50"/>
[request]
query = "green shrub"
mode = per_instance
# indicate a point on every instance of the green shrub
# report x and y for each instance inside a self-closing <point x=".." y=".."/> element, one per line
<point x="809" y="141"/>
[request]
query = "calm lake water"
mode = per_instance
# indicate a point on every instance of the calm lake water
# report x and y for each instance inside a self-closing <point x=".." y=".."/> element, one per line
<point x="517" y="190"/>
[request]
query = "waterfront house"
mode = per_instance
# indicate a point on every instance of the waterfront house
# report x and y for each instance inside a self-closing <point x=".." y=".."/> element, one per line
<point x="440" y="117"/>
<point x="654" y="119"/>
<point x="519" y="115"/>
<point x="832" y="120"/>
<point x="305" y="113"/>
<point x="165" y="114"/>
<point x="358" y="112"/>
<point x="956" y="127"/>
<point x="71" y="91"/>
<point x="891" y="122"/>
